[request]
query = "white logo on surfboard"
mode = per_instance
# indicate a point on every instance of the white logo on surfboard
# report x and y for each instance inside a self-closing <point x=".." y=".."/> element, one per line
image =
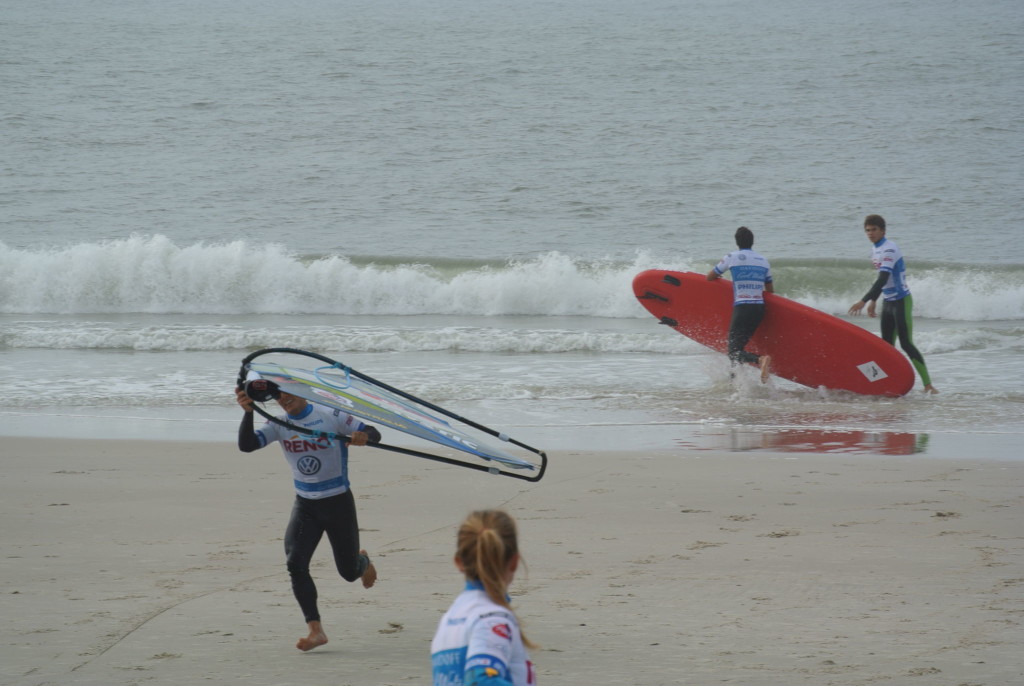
<point x="872" y="371"/>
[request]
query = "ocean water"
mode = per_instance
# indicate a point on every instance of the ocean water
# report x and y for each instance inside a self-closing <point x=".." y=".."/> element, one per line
<point x="454" y="197"/>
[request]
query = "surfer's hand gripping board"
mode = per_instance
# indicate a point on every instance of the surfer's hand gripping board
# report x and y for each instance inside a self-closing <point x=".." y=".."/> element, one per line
<point x="340" y="387"/>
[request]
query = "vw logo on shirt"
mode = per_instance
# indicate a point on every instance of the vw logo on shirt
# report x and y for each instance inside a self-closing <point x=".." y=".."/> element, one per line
<point x="308" y="465"/>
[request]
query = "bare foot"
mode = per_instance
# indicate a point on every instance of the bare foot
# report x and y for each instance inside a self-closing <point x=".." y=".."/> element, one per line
<point x="930" y="389"/>
<point x="766" y="362"/>
<point x="370" y="575"/>
<point x="316" y="638"/>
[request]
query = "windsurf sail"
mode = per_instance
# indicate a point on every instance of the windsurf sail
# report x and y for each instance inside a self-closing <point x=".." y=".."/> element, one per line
<point x="338" y="386"/>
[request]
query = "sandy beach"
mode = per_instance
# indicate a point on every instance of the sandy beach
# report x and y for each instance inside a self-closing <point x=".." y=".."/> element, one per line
<point x="132" y="562"/>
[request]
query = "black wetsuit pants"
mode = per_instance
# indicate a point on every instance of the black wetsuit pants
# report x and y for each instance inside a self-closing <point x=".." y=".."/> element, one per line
<point x="310" y="520"/>
<point x="897" y="321"/>
<point x="745" y="320"/>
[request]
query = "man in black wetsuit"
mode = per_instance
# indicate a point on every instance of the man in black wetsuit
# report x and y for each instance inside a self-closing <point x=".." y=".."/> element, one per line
<point x="323" y="502"/>
<point x="751" y="279"/>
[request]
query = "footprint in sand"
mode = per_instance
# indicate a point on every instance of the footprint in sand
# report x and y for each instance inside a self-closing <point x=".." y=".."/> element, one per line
<point x="780" y="534"/>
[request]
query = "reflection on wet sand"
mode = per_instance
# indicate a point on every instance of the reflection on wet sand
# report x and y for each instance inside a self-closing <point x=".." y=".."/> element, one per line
<point x="810" y="440"/>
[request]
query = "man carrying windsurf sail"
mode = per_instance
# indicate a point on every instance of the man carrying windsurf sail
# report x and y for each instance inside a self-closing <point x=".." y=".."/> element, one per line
<point x="323" y="502"/>
<point x="324" y="408"/>
<point x="751" y="278"/>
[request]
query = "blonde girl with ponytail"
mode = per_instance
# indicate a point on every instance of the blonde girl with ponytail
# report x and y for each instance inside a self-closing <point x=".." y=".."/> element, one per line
<point x="478" y="641"/>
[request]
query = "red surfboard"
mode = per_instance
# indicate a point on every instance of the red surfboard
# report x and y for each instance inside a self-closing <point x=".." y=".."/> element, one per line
<point x="806" y="345"/>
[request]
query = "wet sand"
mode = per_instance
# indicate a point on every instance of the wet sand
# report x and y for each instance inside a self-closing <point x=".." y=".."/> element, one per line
<point x="144" y="562"/>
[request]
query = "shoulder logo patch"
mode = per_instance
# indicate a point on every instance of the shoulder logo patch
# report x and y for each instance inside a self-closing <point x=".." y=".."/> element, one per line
<point x="503" y="630"/>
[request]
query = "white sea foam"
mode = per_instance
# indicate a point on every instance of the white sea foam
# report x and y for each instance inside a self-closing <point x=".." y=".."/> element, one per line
<point x="153" y="275"/>
<point x="458" y="195"/>
<point x="640" y="337"/>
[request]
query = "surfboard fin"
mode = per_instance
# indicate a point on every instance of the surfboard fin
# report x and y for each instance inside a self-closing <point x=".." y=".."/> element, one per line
<point x="652" y="296"/>
<point x="668" y="321"/>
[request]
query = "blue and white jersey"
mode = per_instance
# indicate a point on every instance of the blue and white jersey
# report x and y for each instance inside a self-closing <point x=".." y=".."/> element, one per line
<point x="749" y="271"/>
<point x="319" y="465"/>
<point x="479" y="636"/>
<point x="887" y="257"/>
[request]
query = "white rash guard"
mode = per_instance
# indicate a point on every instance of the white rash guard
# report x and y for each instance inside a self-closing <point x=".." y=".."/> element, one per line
<point x="478" y="642"/>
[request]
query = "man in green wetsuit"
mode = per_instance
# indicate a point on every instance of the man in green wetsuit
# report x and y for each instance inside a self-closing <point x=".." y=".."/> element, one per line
<point x="897" y="305"/>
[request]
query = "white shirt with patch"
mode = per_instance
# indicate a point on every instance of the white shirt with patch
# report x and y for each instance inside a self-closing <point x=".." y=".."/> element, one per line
<point x="319" y="464"/>
<point x="887" y="257"/>
<point x="477" y="632"/>
<point x="750" y="272"/>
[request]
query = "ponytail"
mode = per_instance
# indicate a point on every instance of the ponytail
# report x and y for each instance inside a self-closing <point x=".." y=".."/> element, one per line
<point x="485" y="547"/>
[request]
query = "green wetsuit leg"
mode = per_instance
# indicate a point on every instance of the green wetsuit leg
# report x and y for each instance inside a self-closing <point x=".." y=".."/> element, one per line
<point x="897" y="320"/>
